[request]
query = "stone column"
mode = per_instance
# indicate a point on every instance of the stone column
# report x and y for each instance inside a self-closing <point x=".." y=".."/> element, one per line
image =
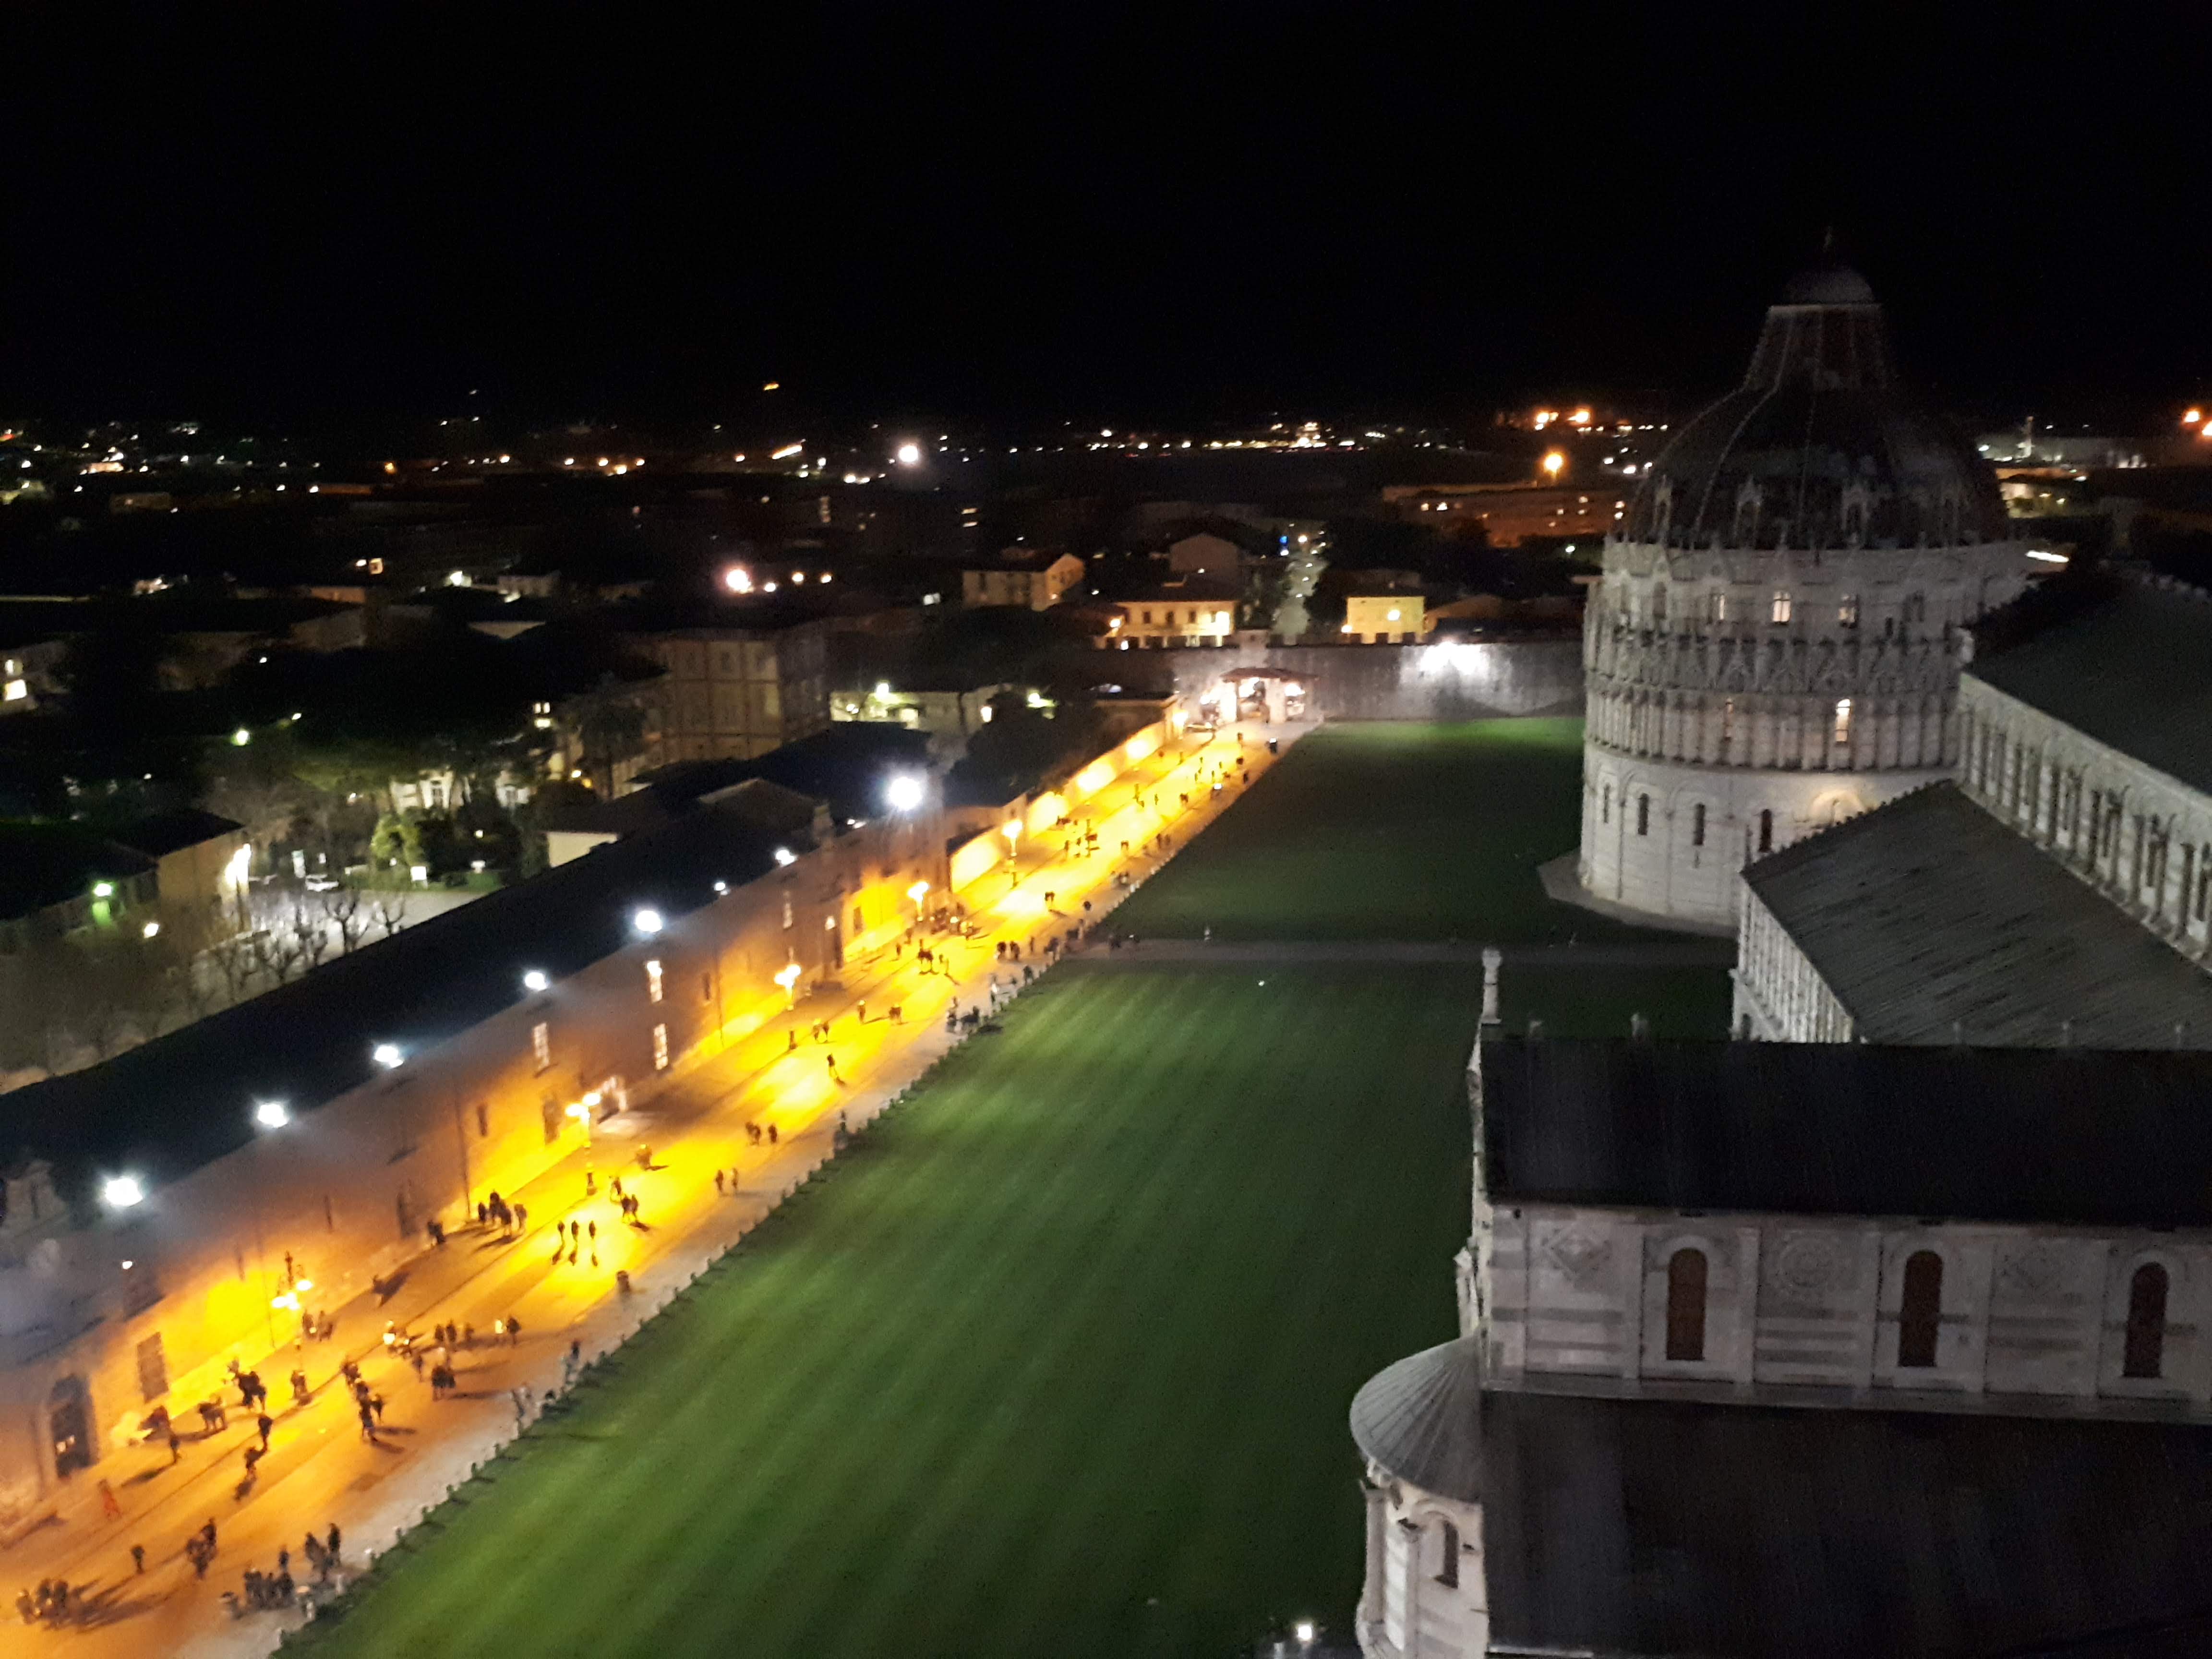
<point x="1492" y="957"/>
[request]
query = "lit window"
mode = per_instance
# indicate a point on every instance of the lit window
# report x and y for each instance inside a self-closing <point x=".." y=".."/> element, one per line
<point x="541" y="1045"/>
<point x="15" y="690"/>
<point x="1718" y="607"/>
<point x="1847" y="613"/>
<point x="1781" y="609"/>
<point x="786" y="910"/>
<point x="653" y="982"/>
<point x="1843" y="719"/>
<point x="660" y="1047"/>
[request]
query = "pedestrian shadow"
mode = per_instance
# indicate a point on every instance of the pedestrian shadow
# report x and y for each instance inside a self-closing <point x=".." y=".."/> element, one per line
<point x="386" y="1289"/>
<point x="97" y="1607"/>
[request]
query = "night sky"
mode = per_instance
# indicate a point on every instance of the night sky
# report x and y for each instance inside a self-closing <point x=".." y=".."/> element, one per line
<point x="1050" y="211"/>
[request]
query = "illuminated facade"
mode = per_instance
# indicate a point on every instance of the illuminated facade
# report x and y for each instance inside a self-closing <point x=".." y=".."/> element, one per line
<point x="1773" y="648"/>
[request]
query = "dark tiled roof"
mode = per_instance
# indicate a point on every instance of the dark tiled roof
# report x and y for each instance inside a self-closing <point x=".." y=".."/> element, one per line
<point x="44" y="864"/>
<point x="2135" y="674"/>
<point x="169" y="832"/>
<point x="1928" y="912"/>
<point x="1651" y="1527"/>
<point x="177" y="1102"/>
<point x="1420" y="1419"/>
<point x="2095" y="1137"/>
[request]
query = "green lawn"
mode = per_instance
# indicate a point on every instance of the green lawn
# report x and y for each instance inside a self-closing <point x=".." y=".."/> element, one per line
<point x="1056" y="1362"/>
<point x="1390" y="830"/>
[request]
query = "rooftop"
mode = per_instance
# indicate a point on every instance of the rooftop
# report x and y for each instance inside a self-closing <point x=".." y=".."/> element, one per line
<point x="1928" y="913"/>
<point x="1652" y="1527"/>
<point x="2135" y="674"/>
<point x="169" y="1106"/>
<point x="44" y="864"/>
<point x="2094" y="1137"/>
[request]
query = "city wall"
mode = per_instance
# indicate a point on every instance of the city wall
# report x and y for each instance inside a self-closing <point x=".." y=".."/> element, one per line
<point x="1448" y="680"/>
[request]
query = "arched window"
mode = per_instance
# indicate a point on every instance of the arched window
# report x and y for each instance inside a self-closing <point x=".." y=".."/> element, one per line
<point x="1697" y="824"/>
<point x="1685" y="1304"/>
<point x="2146" y="1346"/>
<point x="1604" y="805"/>
<point x="1448" y="1559"/>
<point x="1920" y="1316"/>
<point x="1766" y="832"/>
<point x="1644" y="815"/>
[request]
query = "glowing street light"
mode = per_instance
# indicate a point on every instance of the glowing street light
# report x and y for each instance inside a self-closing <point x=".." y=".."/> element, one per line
<point x="122" y="1192"/>
<point x="919" y="891"/>
<point x="904" y="791"/>
<point x="389" y="1055"/>
<point x="241" y="737"/>
<point x="1011" y="830"/>
<point x="1554" y="463"/>
<point x="737" y="578"/>
<point x="788" y="977"/>
<point x="909" y="454"/>
<point x="270" y="1114"/>
<point x="785" y="855"/>
<point x="646" y="921"/>
<point x="537" y="979"/>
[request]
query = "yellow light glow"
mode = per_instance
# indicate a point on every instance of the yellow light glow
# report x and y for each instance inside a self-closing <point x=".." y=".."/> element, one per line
<point x="2195" y="418"/>
<point x="919" y="891"/>
<point x="1553" y="462"/>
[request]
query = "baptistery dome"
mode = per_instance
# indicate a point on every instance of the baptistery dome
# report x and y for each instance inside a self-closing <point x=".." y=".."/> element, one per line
<point x="1773" y="644"/>
<point x="1820" y="448"/>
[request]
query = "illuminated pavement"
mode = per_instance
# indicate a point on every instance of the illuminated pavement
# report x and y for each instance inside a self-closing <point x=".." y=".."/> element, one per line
<point x="319" y="1468"/>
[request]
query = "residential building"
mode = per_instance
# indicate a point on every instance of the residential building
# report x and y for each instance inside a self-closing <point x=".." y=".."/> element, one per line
<point x="1034" y="581"/>
<point x="739" y="688"/>
<point x="1509" y="514"/>
<point x="1389" y="619"/>
<point x="1196" y="611"/>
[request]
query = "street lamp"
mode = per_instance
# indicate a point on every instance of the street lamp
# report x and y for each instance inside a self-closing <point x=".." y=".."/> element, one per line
<point x="646" y="921"/>
<point x="536" y="980"/>
<point x="1554" y="463"/>
<point x="270" y="1114"/>
<point x="788" y="977"/>
<point x="389" y="1055"/>
<point x="904" y="791"/>
<point x="122" y="1192"/>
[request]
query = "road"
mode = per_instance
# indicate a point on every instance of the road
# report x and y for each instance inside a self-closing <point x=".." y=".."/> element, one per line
<point x="320" y="1467"/>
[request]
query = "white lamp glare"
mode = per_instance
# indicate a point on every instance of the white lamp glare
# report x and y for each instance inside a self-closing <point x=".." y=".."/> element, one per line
<point x="536" y="980"/>
<point x="904" y="791"/>
<point x="388" y="1055"/>
<point x="270" y="1114"/>
<point x="646" y="921"/>
<point x="121" y="1192"/>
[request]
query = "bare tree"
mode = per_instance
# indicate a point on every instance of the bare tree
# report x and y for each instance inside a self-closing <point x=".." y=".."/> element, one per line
<point x="312" y="932"/>
<point x="341" y="905"/>
<point x="391" y="912"/>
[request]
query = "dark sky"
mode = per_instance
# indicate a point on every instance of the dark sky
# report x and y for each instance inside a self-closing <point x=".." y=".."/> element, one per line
<point x="1056" y="210"/>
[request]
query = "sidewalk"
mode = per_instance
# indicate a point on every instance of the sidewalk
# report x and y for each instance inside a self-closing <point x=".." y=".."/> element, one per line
<point x="319" y="1468"/>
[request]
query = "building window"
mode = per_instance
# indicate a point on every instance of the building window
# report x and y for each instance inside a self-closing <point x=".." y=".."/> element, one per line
<point x="1766" y="831"/>
<point x="1659" y="603"/>
<point x="1604" y="805"/>
<point x="1697" y="824"/>
<point x="1915" y="607"/>
<point x="1685" y="1304"/>
<point x="541" y="1045"/>
<point x="1717" y="607"/>
<point x="660" y="1047"/>
<point x="706" y="988"/>
<point x="786" y="910"/>
<point x="1780" y="610"/>
<point x="548" y="1113"/>
<point x="1847" y="613"/>
<point x="860" y="925"/>
<point x="2145" y="1355"/>
<point x="1448" y="1557"/>
<point x="652" y="987"/>
<point x="1843" y="719"/>
<point x="153" y="1369"/>
<point x="1644" y="815"/>
<point x="484" y="1121"/>
<point x="1920" y="1315"/>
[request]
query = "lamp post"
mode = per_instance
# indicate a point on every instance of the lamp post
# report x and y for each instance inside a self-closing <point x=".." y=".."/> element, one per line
<point x="788" y="977"/>
<point x="269" y="1116"/>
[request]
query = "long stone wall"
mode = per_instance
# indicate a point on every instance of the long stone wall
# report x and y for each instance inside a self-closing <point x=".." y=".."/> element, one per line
<point x="1449" y="681"/>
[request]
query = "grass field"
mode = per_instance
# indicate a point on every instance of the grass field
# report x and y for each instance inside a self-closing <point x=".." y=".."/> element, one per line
<point x="1390" y="830"/>
<point x="1056" y="1362"/>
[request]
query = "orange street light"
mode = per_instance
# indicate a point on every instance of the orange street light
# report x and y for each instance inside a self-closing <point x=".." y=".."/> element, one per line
<point x="1554" y="464"/>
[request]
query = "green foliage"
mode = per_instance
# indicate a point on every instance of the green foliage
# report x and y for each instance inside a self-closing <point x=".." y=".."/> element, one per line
<point x="397" y="840"/>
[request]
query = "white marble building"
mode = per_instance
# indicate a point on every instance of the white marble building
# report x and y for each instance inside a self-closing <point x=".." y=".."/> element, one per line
<point x="1927" y="1325"/>
<point x="2060" y="893"/>
<point x="1769" y="648"/>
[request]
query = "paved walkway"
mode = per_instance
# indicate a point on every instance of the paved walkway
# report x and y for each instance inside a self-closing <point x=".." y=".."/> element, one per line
<point x="320" y="1467"/>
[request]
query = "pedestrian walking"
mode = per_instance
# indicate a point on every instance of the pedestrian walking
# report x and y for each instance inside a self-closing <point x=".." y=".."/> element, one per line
<point x="138" y="1557"/>
<point x="264" y="1423"/>
<point x="367" y="1422"/>
<point x="108" y="1506"/>
<point x="718" y="1183"/>
<point x="522" y="1218"/>
<point x="376" y="1405"/>
<point x="331" y="1543"/>
<point x="176" y="1446"/>
<point x="513" y="1330"/>
<point x="771" y="1135"/>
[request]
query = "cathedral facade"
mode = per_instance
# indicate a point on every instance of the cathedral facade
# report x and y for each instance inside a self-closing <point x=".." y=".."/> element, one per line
<point x="1773" y="646"/>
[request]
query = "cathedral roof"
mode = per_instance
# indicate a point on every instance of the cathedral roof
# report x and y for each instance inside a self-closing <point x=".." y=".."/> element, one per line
<point x="1927" y="916"/>
<point x="2133" y="674"/>
<point x="1820" y="448"/>
<point x="2089" y="1137"/>
<point x="1737" y="1532"/>
<point x="1421" y="1419"/>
